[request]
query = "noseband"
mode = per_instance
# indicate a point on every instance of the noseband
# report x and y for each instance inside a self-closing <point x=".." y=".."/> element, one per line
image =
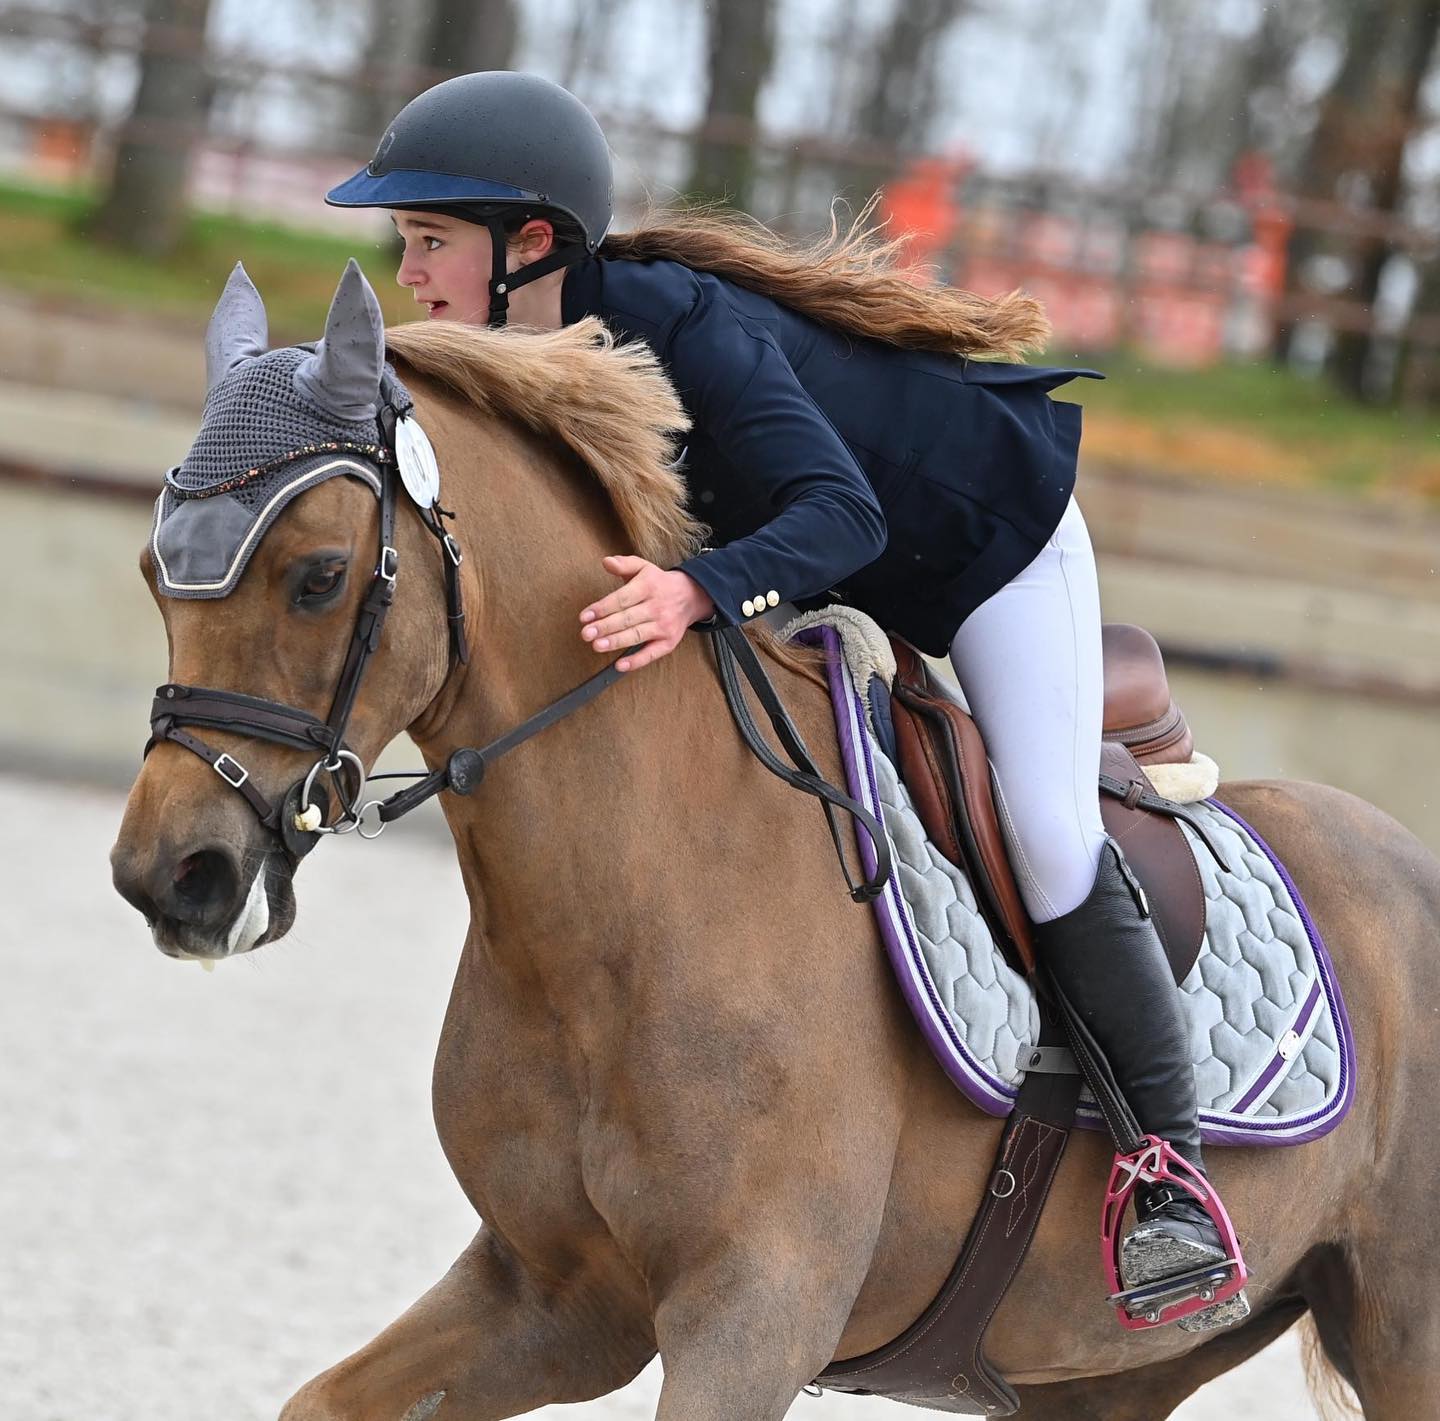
<point x="298" y="819"/>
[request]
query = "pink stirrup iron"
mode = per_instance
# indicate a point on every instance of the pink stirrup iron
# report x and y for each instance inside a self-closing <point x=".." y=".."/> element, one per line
<point x="1166" y="1299"/>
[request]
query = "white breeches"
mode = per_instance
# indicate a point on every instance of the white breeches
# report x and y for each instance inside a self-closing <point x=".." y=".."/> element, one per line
<point x="1030" y="664"/>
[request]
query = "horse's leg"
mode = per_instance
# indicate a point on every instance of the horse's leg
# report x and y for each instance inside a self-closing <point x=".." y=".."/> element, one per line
<point x="485" y="1342"/>
<point x="739" y="1338"/>
<point x="1375" y="1311"/>
<point x="1153" y="1392"/>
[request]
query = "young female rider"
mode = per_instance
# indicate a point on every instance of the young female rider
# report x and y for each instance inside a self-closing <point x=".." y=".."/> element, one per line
<point x="841" y="440"/>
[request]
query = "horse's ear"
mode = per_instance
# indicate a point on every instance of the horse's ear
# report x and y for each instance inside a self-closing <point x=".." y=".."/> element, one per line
<point x="343" y="376"/>
<point x="238" y="329"/>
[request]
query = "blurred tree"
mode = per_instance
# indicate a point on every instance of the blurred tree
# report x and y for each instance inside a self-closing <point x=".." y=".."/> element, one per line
<point x="1400" y="67"/>
<point x="899" y="103"/>
<point x="412" y="44"/>
<point x="1356" y="154"/>
<point x="588" y="39"/>
<point x="395" y="36"/>
<point x="466" y="35"/>
<point x="144" y="208"/>
<point x="740" y="43"/>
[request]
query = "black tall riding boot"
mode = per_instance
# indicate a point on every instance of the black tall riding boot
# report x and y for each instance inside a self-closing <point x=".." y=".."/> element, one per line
<point x="1107" y="958"/>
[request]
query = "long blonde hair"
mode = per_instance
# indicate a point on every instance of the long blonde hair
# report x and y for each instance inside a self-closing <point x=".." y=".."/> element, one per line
<point x="851" y="280"/>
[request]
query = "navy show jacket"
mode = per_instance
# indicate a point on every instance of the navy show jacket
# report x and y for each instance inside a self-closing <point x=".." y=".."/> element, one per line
<point x="912" y="485"/>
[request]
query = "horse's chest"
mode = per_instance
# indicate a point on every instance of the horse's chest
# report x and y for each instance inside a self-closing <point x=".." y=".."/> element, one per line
<point x="507" y="1100"/>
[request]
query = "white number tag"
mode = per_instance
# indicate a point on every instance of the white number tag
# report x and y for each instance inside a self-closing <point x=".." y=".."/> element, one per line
<point x="416" y="460"/>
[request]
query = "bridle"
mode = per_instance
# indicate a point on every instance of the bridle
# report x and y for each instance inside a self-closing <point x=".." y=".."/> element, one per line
<point x="298" y="819"/>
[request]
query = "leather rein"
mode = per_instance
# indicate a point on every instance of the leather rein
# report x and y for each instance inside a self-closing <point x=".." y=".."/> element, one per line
<point x="298" y="819"/>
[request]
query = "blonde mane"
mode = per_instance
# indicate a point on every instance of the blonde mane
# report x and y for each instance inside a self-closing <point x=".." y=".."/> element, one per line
<point x="611" y="405"/>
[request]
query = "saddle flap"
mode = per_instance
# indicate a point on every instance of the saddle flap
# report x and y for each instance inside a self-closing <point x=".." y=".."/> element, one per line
<point x="1155" y="848"/>
<point x="947" y="771"/>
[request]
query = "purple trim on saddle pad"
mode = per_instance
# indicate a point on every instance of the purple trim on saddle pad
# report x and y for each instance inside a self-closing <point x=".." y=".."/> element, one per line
<point x="1322" y="1121"/>
<point x="897" y="927"/>
<point x="996" y="1096"/>
<point x="1278" y="1062"/>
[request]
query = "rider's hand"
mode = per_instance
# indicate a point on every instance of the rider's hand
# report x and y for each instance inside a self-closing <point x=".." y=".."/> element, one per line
<point x="653" y="608"/>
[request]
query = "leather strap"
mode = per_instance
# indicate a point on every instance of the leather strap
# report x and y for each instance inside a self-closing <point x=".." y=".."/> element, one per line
<point x="228" y="768"/>
<point x="237" y="713"/>
<point x="732" y="650"/>
<point x="370" y="621"/>
<point x="466" y="768"/>
<point x="1134" y="795"/>
<point x="939" y="1360"/>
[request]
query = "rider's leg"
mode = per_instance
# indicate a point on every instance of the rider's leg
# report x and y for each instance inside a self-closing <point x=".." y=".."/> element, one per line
<point x="1031" y="665"/>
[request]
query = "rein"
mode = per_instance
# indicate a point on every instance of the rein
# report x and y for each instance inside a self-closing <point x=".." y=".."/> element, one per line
<point x="298" y="819"/>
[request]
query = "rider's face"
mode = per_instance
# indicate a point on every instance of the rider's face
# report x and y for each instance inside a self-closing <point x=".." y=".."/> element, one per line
<point x="446" y="264"/>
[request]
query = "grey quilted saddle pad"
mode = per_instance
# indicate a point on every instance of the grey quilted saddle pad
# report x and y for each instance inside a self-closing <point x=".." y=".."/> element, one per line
<point x="1274" y="1060"/>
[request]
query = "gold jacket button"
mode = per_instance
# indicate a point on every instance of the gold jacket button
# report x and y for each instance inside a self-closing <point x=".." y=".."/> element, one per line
<point x="772" y="598"/>
<point x="748" y="607"/>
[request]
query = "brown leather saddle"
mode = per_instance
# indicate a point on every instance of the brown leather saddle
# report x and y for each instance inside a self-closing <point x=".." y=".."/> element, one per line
<point x="943" y="762"/>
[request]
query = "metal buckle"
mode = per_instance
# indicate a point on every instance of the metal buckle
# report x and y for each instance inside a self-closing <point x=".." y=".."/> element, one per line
<point x="389" y="565"/>
<point x="236" y="775"/>
<point x="453" y="549"/>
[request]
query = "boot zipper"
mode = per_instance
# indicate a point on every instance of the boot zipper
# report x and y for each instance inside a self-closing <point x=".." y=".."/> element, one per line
<point x="1141" y="901"/>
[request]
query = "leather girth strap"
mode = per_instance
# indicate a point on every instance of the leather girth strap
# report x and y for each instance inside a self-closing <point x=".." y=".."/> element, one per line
<point x="939" y="1360"/>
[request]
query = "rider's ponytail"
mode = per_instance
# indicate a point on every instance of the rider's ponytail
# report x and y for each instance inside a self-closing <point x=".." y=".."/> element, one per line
<point x="851" y="281"/>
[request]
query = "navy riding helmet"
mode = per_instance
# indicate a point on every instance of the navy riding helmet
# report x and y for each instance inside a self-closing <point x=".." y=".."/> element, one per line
<point x="482" y="146"/>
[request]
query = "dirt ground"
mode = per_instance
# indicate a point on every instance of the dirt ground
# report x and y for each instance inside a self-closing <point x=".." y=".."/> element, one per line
<point x="215" y="1185"/>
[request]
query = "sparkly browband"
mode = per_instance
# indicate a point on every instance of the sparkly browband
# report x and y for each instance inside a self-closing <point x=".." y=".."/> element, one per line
<point x="376" y="453"/>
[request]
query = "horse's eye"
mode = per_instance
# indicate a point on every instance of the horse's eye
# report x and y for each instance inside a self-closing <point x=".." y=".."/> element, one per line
<point x="321" y="583"/>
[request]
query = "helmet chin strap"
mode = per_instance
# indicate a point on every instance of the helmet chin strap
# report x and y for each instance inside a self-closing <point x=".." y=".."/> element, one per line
<point x="503" y="282"/>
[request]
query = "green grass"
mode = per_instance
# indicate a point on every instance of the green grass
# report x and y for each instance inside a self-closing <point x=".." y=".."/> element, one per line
<point x="1253" y="394"/>
<point x="1253" y="422"/>
<point x="44" y="250"/>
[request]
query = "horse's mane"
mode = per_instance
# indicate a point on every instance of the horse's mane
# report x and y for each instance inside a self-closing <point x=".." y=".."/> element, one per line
<point x="611" y="405"/>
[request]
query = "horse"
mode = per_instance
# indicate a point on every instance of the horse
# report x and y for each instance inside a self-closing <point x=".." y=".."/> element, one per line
<point x="676" y="1079"/>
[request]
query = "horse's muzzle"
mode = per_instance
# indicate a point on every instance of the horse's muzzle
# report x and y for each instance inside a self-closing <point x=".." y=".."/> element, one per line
<point x="208" y="902"/>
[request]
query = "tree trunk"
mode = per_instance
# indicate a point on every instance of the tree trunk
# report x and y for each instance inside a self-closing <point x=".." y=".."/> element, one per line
<point x="145" y="208"/>
<point x="388" y="76"/>
<point x="900" y="103"/>
<point x="1395" y="105"/>
<point x="1360" y="137"/>
<point x="467" y="35"/>
<point x="741" y="45"/>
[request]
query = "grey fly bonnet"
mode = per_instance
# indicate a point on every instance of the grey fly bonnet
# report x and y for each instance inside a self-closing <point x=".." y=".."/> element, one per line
<point x="276" y="423"/>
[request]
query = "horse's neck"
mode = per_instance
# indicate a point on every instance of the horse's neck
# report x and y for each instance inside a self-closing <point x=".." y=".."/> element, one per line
<point x="599" y="799"/>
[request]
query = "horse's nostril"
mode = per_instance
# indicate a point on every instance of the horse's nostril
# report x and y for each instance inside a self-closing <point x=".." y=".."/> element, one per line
<point x="204" y="886"/>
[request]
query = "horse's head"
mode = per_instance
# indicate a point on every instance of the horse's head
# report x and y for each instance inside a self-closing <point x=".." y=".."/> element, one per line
<point x="273" y="558"/>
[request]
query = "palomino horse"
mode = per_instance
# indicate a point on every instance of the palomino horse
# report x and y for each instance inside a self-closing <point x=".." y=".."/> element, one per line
<point x="676" y="1079"/>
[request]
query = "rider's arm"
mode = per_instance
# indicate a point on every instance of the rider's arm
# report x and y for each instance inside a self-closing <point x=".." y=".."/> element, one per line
<point x="743" y="394"/>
